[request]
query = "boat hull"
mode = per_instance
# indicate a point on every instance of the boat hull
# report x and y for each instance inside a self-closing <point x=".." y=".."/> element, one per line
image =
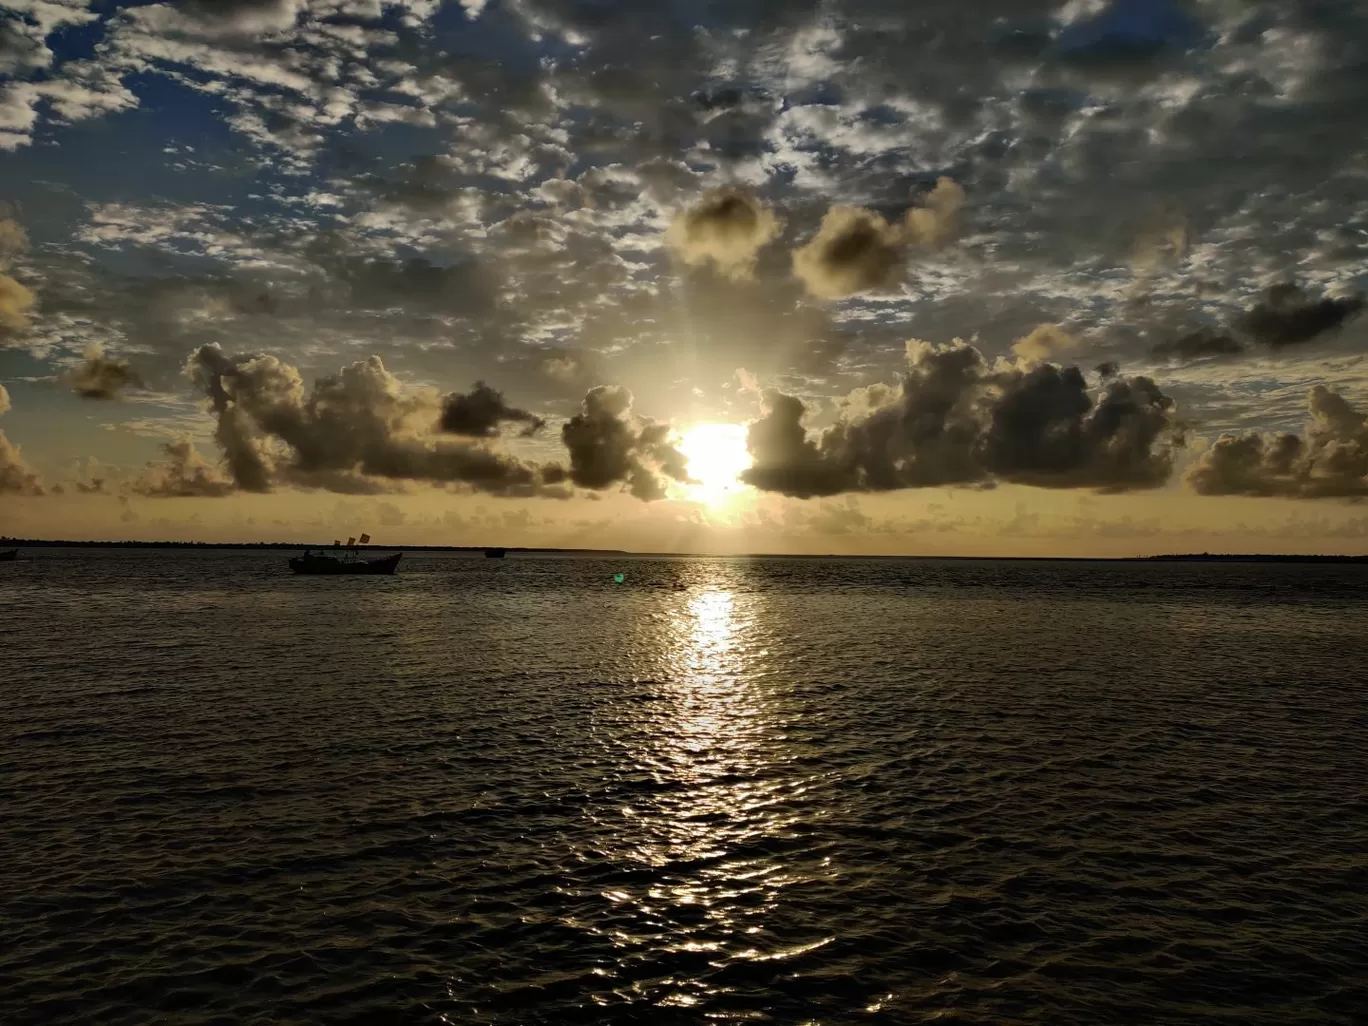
<point x="327" y="566"/>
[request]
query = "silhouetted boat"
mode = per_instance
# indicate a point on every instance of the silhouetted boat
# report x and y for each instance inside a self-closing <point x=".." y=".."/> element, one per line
<point x="9" y="555"/>
<point x="495" y="553"/>
<point x="314" y="563"/>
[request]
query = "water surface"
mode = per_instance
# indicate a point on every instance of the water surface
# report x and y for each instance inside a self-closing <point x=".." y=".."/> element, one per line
<point x="724" y="791"/>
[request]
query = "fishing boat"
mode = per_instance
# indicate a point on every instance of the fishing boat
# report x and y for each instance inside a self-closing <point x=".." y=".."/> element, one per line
<point x="348" y="561"/>
<point x="9" y="555"/>
<point x="317" y="563"/>
<point x="495" y="553"/>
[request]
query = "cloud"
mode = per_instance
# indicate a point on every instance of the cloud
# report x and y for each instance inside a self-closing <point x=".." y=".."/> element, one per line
<point x="16" y="299"/>
<point x="727" y="228"/>
<point x="1329" y="461"/>
<point x="182" y="473"/>
<point x="355" y="431"/>
<point x="1044" y="341"/>
<point x="15" y="302"/>
<point x="99" y="377"/>
<point x="609" y="446"/>
<point x="1283" y="318"/>
<point x="16" y="476"/>
<point x="241" y="16"/>
<point x="479" y="412"/>
<point x="958" y="421"/>
<point x="1047" y="430"/>
<point x="1197" y="345"/>
<point x="1287" y="316"/>
<point x="856" y="250"/>
<point x="936" y="221"/>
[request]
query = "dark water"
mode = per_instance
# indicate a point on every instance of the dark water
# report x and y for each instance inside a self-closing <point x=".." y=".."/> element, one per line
<point x="791" y="792"/>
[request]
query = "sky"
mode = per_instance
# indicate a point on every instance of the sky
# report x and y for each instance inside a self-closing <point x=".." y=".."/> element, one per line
<point x="981" y="277"/>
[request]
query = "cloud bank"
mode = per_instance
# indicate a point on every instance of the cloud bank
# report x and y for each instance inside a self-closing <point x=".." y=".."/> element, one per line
<point x="957" y="420"/>
<point x="358" y="431"/>
<point x="1328" y="461"/>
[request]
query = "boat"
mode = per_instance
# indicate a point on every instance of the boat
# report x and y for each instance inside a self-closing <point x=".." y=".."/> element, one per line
<point x="495" y="553"/>
<point x="9" y="555"/>
<point x="349" y="562"/>
<point x="318" y="563"/>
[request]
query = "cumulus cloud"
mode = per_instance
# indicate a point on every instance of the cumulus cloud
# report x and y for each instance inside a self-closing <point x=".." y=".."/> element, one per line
<point x="182" y="473"/>
<point x="727" y="228"/>
<point x="1045" y="341"/>
<point x="959" y="421"/>
<point x="16" y="476"/>
<point x="100" y="377"/>
<point x="1330" y="460"/>
<point x="1287" y="316"/>
<point x="354" y="431"/>
<point x="16" y="299"/>
<point x="480" y="412"/>
<point x="856" y="250"/>
<point x="610" y="446"/>
<point x="1047" y="430"/>
<point x="936" y="221"/>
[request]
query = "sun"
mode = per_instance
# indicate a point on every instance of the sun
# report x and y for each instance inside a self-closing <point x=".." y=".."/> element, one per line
<point x="716" y="455"/>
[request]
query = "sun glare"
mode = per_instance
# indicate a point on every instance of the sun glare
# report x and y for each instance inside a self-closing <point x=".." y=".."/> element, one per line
<point x="717" y="455"/>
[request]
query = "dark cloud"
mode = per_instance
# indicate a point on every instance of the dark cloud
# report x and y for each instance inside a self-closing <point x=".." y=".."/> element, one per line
<point x="1047" y="430"/>
<point x="182" y="473"/>
<point x="726" y="228"/>
<point x="958" y="421"/>
<point x="610" y="447"/>
<point x="1287" y="316"/>
<point x="353" y="431"/>
<point x="100" y="377"/>
<point x="16" y="477"/>
<point x="1330" y="460"/>
<point x="479" y="413"/>
<point x="784" y="459"/>
<point x="1198" y="345"/>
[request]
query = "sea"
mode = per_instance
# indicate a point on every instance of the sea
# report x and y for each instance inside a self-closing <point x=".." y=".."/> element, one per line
<point x="722" y="791"/>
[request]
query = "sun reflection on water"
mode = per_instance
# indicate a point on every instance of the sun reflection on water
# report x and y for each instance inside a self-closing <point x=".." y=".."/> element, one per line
<point x="710" y="830"/>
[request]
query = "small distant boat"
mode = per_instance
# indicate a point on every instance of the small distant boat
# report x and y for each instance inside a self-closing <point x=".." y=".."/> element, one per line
<point x="495" y="553"/>
<point x="9" y="555"/>
<point x="316" y="563"/>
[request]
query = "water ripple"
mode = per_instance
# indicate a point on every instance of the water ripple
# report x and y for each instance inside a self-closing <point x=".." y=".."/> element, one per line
<point x="727" y="791"/>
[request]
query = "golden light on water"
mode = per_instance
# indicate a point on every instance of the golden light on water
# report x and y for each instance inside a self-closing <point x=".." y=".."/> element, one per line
<point x="717" y="456"/>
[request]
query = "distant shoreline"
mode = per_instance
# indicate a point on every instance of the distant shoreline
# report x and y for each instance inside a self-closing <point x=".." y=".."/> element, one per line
<point x="1203" y="557"/>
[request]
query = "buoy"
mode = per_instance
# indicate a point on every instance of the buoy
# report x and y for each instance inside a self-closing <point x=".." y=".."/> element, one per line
<point x="619" y="578"/>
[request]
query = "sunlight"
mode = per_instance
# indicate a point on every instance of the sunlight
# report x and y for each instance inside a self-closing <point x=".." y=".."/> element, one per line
<point x="717" y="456"/>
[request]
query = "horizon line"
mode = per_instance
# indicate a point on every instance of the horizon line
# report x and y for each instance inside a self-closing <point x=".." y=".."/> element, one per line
<point x="558" y="550"/>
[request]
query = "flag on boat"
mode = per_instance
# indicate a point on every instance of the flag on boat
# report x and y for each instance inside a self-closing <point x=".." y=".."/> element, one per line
<point x="365" y="539"/>
<point x="351" y="543"/>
